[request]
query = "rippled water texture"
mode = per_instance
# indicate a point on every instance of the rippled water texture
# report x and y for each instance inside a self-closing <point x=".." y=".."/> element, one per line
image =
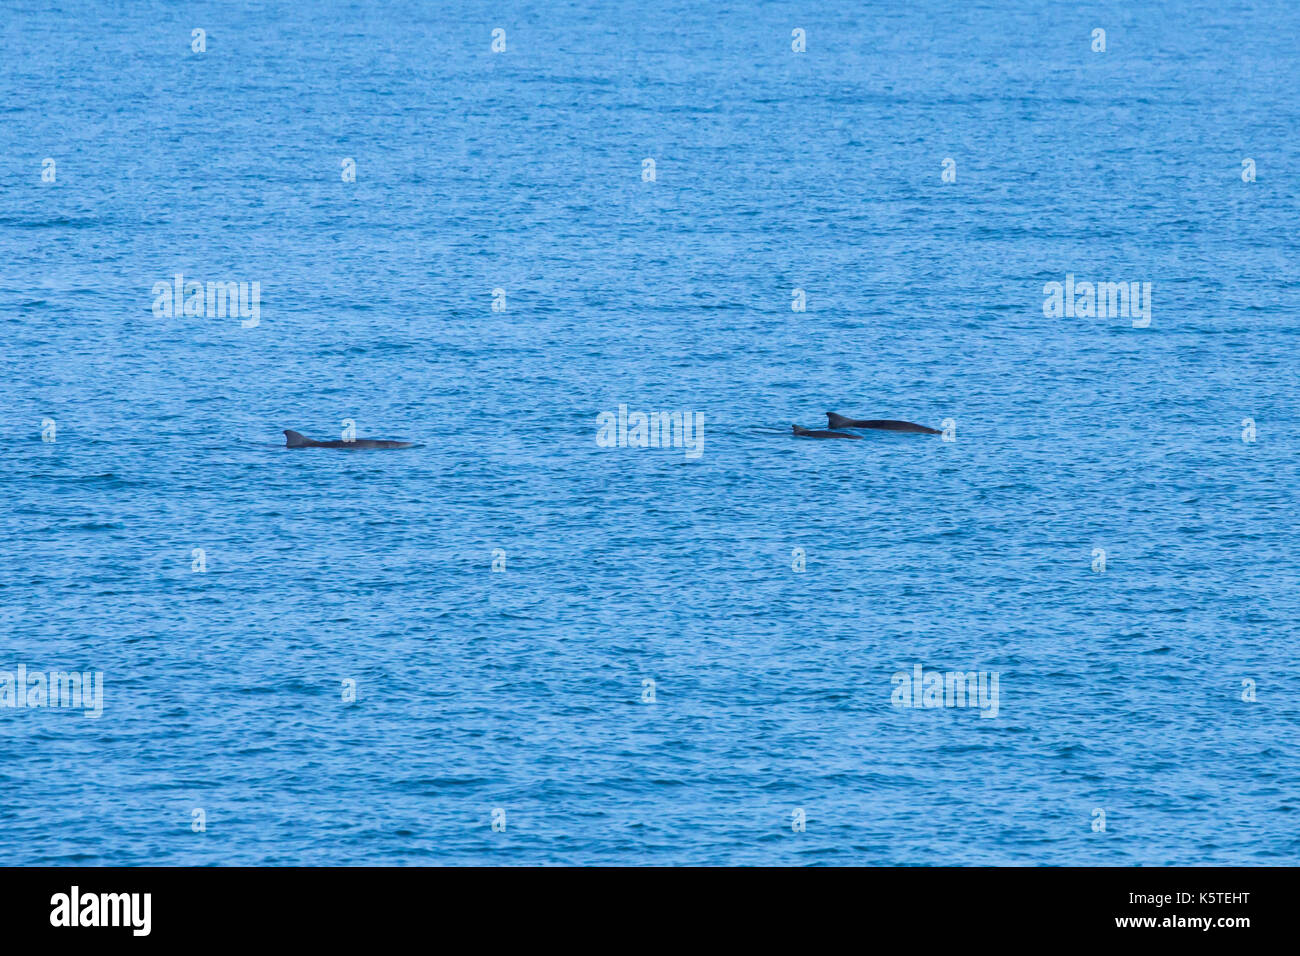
<point x="523" y="690"/>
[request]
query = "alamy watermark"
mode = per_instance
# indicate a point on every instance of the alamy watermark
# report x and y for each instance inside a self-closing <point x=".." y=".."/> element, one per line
<point x="216" y="300"/>
<point x="75" y="908"/>
<point x="651" y="430"/>
<point x="84" y="691"/>
<point x="927" y="689"/>
<point x="1103" y="300"/>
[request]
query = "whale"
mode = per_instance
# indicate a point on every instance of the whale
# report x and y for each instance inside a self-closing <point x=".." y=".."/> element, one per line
<point x="817" y="433"/>
<point x="294" y="439"/>
<point x="883" y="424"/>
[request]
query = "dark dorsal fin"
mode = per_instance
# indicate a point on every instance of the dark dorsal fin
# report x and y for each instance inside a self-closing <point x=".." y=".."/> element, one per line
<point x="838" y="421"/>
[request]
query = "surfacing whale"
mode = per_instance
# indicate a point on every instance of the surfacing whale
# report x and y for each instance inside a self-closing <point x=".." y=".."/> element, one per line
<point x="883" y="424"/>
<point x="299" y="440"/>
<point x="817" y="433"/>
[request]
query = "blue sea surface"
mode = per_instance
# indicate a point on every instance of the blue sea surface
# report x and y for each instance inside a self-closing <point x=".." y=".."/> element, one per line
<point x="1162" y="691"/>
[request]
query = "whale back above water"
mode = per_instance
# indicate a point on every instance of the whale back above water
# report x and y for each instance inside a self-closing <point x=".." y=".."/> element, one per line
<point x="882" y="424"/>
<point x="818" y="433"/>
<point x="294" y="439"/>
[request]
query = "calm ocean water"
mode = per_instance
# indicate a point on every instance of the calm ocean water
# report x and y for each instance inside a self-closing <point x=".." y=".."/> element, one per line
<point x="1161" y="691"/>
